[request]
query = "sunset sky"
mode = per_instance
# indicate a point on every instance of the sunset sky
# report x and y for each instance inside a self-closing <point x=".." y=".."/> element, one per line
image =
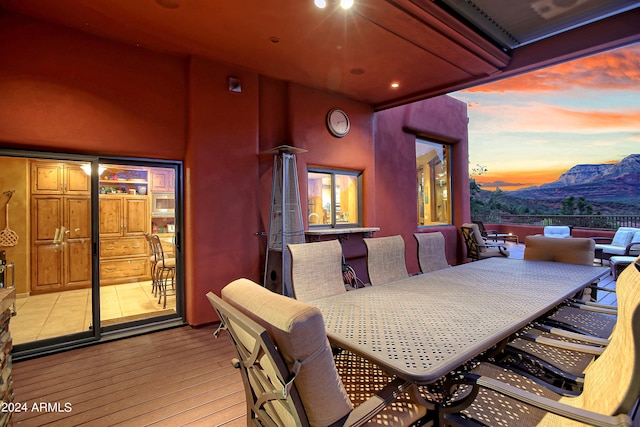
<point x="528" y="130"/>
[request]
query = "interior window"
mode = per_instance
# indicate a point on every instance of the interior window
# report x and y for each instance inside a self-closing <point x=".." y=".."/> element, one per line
<point x="334" y="198"/>
<point x="433" y="182"/>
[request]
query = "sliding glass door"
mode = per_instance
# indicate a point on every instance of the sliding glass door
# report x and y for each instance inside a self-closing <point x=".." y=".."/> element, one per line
<point x="76" y="245"/>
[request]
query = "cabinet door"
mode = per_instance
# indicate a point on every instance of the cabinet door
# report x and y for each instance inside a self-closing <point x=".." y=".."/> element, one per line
<point x="46" y="256"/>
<point x="111" y="220"/>
<point x="162" y="180"/>
<point x="77" y="259"/>
<point x="46" y="178"/>
<point x="76" y="181"/>
<point x="136" y="216"/>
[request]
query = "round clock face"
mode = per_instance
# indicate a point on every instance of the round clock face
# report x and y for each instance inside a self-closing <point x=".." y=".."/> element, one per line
<point x="338" y="123"/>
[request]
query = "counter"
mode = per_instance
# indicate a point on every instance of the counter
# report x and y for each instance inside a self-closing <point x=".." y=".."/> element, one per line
<point x="353" y="248"/>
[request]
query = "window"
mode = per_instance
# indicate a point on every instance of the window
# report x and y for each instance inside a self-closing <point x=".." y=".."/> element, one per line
<point x="334" y="198"/>
<point x="434" y="182"/>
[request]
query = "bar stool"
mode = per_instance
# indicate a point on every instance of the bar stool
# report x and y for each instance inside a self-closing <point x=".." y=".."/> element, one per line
<point x="164" y="271"/>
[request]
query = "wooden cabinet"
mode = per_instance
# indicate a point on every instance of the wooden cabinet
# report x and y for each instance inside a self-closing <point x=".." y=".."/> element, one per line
<point x="59" y="178"/>
<point x="66" y="263"/>
<point x="162" y="180"/>
<point x="60" y="207"/>
<point x="124" y="254"/>
<point x="123" y="260"/>
<point x="122" y="215"/>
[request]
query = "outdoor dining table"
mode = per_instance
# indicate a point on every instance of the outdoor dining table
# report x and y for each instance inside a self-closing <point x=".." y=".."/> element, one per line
<point x="423" y="327"/>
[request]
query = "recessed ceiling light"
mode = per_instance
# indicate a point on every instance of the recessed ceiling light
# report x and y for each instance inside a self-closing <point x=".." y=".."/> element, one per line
<point x="395" y="85"/>
<point x="346" y="4"/>
<point x="320" y="3"/>
<point x="274" y="39"/>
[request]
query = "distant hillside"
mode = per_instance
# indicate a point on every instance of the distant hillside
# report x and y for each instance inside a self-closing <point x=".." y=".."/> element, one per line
<point x="606" y="183"/>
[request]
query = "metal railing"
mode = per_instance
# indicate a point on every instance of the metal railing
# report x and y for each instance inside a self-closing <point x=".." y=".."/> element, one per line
<point x="600" y="222"/>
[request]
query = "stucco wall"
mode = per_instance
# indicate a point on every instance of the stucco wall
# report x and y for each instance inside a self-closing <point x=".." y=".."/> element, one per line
<point x="64" y="91"/>
<point x="445" y="119"/>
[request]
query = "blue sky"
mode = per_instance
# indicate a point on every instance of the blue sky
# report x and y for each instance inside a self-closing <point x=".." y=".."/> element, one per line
<point x="527" y="130"/>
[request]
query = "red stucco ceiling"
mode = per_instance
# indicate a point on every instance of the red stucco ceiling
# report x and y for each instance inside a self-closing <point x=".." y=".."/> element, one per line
<point x="358" y="52"/>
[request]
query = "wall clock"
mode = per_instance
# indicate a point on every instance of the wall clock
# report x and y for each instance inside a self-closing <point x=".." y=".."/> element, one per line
<point x="338" y="122"/>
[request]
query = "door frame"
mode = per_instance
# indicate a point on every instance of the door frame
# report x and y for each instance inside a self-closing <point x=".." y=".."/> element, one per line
<point x="127" y="328"/>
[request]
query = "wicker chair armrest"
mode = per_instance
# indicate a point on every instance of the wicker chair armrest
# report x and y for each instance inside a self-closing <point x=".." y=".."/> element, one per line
<point x="549" y="405"/>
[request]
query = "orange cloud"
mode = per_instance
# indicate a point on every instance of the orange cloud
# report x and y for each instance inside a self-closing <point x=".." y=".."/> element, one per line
<point x="617" y="69"/>
<point x="514" y="180"/>
<point x="599" y="119"/>
<point x="540" y="117"/>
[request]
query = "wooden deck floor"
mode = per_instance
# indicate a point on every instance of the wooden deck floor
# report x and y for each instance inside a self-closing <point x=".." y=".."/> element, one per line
<point x="178" y="377"/>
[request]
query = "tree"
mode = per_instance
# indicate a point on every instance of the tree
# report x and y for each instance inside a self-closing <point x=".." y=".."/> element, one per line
<point x="568" y="206"/>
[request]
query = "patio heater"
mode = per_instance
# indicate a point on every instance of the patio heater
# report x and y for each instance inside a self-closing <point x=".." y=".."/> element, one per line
<point x="285" y="222"/>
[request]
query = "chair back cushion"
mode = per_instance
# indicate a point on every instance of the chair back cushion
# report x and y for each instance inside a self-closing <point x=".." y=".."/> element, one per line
<point x="572" y="251"/>
<point x="316" y="269"/>
<point x="612" y="381"/>
<point x="622" y="238"/>
<point x="431" y="251"/>
<point x="298" y="331"/>
<point x="385" y="259"/>
<point x="557" y="231"/>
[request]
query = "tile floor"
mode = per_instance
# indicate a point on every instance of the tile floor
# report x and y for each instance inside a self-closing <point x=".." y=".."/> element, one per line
<point x="61" y="313"/>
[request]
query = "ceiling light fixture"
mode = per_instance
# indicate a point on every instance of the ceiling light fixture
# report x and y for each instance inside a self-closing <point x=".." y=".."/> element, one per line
<point x="395" y="85"/>
<point x="87" y="169"/>
<point x="345" y="4"/>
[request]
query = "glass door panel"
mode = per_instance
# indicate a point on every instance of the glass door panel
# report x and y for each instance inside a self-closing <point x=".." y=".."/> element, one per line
<point x="135" y="282"/>
<point x="47" y="203"/>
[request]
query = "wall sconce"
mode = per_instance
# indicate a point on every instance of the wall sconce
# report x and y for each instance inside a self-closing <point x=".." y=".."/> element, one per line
<point x="87" y="169"/>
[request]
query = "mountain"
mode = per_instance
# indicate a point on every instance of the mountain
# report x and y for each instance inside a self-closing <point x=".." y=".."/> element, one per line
<point x="618" y="182"/>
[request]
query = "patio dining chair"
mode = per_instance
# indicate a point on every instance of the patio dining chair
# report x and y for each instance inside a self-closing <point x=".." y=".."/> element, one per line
<point x="288" y="370"/>
<point x="492" y="234"/>
<point x="385" y="259"/>
<point x="593" y="320"/>
<point x="554" y="357"/>
<point x="431" y="251"/>
<point x="316" y="269"/>
<point x="497" y="396"/>
<point x="477" y="247"/>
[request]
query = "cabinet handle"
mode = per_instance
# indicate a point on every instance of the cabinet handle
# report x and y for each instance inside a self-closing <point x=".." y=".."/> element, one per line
<point x="109" y="249"/>
<point x="108" y="270"/>
<point x="136" y="268"/>
<point x="136" y="247"/>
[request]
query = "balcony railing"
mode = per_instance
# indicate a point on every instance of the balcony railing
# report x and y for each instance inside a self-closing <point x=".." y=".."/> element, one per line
<point x="600" y="222"/>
